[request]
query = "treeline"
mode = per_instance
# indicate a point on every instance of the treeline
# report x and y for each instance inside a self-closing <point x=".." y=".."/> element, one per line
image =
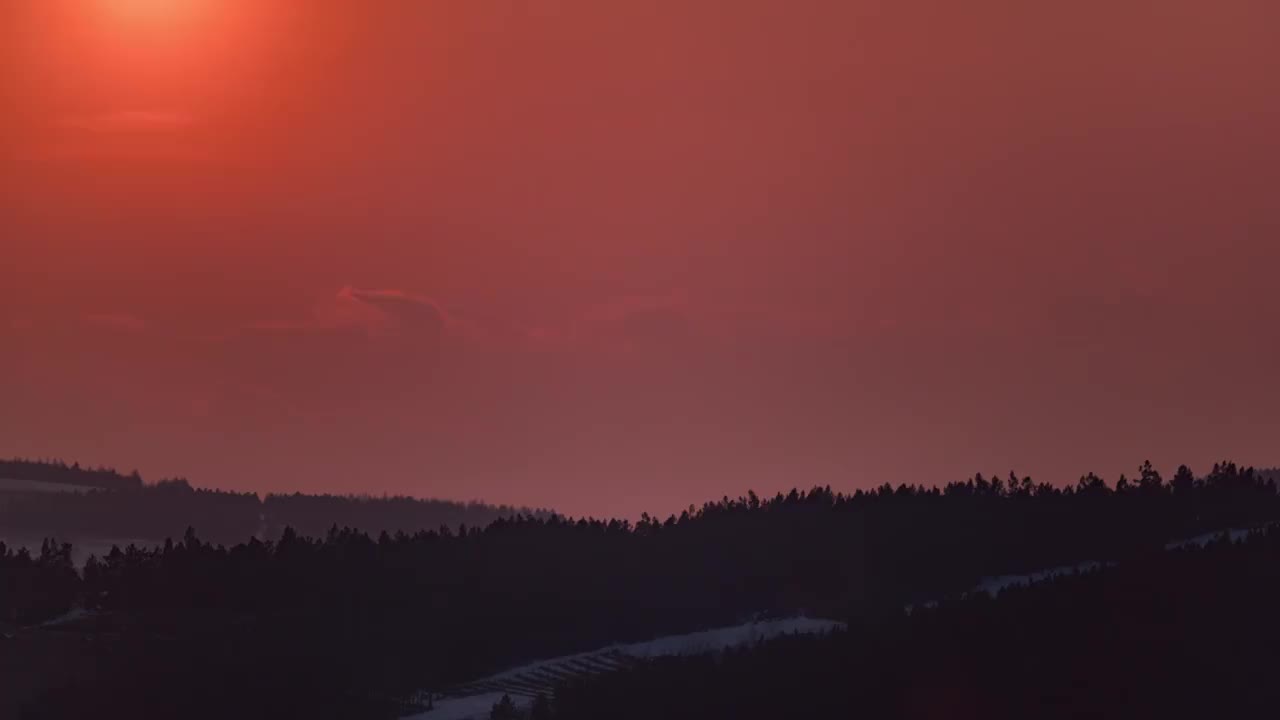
<point x="350" y="618"/>
<point x="1183" y="633"/>
<point x="60" y="473"/>
<point x="123" y="508"/>
<point x="145" y="513"/>
<point x="315" y="515"/>
<point x="37" y="588"/>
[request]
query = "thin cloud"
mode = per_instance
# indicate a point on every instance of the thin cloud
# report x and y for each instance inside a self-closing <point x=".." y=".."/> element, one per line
<point x="380" y="313"/>
<point x="412" y="310"/>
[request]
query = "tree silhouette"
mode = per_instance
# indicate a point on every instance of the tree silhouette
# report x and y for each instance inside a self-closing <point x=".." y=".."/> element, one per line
<point x="361" y="621"/>
<point x="504" y="709"/>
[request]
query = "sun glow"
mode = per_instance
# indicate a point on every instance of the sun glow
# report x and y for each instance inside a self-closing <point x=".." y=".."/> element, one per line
<point x="154" y="10"/>
<point x="153" y="47"/>
<point x="158" y="20"/>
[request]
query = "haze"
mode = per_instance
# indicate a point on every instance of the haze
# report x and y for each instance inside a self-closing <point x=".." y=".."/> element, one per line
<point x="613" y="257"/>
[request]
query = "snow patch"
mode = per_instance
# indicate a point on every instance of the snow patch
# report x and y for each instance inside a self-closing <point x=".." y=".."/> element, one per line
<point x="709" y="641"/>
<point x="476" y="699"/>
<point x="70" y="616"/>
<point x="993" y="585"/>
<point x="1232" y="535"/>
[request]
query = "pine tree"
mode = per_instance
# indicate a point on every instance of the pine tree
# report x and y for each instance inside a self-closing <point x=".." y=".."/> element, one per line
<point x="504" y="709"/>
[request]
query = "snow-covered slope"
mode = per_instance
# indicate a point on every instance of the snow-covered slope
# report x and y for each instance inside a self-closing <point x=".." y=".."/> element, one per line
<point x="476" y="699"/>
<point x="993" y="585"/>
<point x="1232" y="535"/>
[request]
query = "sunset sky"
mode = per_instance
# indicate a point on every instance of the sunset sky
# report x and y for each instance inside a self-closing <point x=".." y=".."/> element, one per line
<point x="630" y="255"/>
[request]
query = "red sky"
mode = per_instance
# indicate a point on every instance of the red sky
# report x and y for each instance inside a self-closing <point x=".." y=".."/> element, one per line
<point x="622" y="256"/>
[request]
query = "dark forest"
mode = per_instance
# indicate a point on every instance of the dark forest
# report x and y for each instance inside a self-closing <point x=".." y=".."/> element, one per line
<point x="353" y="623"/>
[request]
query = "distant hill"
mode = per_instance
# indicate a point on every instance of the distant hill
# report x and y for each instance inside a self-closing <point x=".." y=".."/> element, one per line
<point x="97" y="506"/>
<point x="315" y="515"/>
<point x="12" y="486"/>
<point x="59" y="473"/>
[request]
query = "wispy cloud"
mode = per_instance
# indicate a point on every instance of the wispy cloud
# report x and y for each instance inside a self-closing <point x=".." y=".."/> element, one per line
<point x="404" y="309"/>
<point x="372" y="313"/>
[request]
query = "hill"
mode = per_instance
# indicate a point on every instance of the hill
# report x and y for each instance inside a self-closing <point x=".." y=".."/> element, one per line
<point x="354" y="625"/>
<point x="1188" y="632"/>
<point x="100" y="507"/>
<point x="18" y="474"/>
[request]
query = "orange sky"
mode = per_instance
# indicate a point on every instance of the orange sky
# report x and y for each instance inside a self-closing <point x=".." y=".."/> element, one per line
<point x="624" y="256"/>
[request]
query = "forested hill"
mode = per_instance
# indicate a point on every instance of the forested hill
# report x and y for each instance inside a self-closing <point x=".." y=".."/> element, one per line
<point x="102" y="504"/>
<point x="59" y="473"/>
<point x="352" y="625"/>
<point x="315" y="515"/>
<point x="1190" y="632"/>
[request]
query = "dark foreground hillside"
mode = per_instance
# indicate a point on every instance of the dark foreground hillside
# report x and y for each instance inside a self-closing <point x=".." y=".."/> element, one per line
<point x="1191" y="632"/>
<point x="354" y="625"/>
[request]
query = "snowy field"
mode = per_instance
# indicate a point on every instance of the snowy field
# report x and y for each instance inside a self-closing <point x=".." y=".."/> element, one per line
<point x="476" y="699"/>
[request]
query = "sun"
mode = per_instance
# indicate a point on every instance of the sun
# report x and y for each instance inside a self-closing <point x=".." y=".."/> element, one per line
<point x="147" y="7"/>
<point x="155" y="11"/>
